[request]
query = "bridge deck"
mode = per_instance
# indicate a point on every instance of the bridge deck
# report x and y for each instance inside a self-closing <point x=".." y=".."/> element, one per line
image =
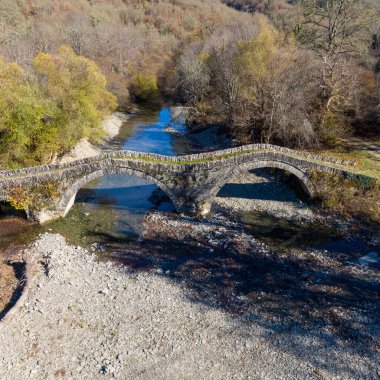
<point x="308" y="160"/>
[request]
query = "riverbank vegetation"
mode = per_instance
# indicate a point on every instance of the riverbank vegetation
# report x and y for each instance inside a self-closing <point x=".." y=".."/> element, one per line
<point x="46" y="113"/>
<point x="53" y="96"/>
<point x="295" y="73"/>
<point x="305" y="83"/>
<point x="357" y="197"/>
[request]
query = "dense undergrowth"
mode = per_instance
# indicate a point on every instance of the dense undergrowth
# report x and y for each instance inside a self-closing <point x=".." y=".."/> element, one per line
<point x="354" y="196"/>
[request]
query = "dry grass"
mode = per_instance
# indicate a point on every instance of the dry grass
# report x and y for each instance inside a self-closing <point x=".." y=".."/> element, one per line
<point x="365" y="153"/>
<point x="8" y="284"/>
<point x="356" y="198"/>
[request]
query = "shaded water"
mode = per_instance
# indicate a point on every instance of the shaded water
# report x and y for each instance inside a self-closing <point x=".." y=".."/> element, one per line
<point x="110" y="210"/>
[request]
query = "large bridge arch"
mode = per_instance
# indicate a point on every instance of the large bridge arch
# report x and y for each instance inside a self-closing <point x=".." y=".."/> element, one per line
<point x="68" y="198"/>
<point x="302" y="176"/>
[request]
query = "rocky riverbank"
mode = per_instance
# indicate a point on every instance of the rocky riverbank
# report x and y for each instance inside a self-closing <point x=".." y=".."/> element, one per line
<point x="84" y="149"/>
<point x="198" y="298"/>
<point x="263" y="191"/>
<point x="223" y="306"/>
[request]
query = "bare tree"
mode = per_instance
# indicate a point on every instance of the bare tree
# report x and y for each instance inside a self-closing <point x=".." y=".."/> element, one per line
<point x="193" y="77"/>
<point x="336" y="27"/>
<point x="339" y="31"/>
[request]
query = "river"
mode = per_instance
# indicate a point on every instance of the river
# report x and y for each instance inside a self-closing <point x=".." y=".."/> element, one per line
<point x="109" y="211"/>
<point x="113" y="207"/>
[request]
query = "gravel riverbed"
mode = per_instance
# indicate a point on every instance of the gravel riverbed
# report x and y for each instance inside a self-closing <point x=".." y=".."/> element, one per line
<point x="260" y="190"/>
<point x="91" y="319"/>
<point x="198" y="299"/>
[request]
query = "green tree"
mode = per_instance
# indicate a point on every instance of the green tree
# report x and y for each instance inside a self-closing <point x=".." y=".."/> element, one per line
<point x="144" y="87"/>
<point x="21" y="116"/>
<point x="77" y="89"/>
<point x="47" y="114"/>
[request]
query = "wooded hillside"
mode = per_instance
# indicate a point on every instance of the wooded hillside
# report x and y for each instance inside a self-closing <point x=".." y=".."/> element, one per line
<point x="296" y="73"/>
<point x="124" y="37"/>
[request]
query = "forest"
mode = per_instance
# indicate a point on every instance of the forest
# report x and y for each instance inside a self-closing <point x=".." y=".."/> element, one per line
<point x="294" y="73"/>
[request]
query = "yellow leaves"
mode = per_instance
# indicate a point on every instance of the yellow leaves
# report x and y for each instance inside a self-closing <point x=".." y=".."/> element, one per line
<point x="47" y="115"/>
<point x="144" y="87"/>
<point x="12" y="77"/>
<point x="40" y="195"/>
<point x="67" y="51"/>
<point x="11" y="71"/>
<point x="204" y="56"/>
<point x="75" y="82"/>
<point x="14" y="86"/>
<point x="256" y="54"/>
<point x="19" y="198"/>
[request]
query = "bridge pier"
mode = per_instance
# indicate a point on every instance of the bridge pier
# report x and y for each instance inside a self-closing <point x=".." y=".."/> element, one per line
<point x="43" y="215"/>
<point x="194" y="207"/>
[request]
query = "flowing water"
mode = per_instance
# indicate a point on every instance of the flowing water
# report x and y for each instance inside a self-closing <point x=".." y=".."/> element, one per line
<point x="110" y="210"/>
<point x="127" y="198"/>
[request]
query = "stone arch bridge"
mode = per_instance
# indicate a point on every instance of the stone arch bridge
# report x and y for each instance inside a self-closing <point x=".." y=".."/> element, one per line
<point x="191" y="182"/>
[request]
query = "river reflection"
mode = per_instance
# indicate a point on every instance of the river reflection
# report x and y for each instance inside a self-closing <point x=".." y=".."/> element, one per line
<point x="130" y="197"/>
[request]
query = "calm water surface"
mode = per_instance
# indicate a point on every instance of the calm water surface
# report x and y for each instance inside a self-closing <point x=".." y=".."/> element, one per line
<point x="110" y="210"/>
<point x="128" y="198"/>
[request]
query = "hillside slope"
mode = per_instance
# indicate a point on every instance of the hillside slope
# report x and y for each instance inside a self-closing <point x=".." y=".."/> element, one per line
<point x="122" y="36"/>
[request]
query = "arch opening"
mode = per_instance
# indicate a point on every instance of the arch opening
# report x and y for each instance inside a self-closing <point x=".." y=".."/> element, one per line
<point x="7" y="210"/>
<point x="269" y="187"/>
<point x="116" y="200"/>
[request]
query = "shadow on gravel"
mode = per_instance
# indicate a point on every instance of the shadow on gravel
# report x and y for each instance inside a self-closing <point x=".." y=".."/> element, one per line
<point x="272" y="185"/>
<point x="302" y="305"/>
<point x="249" y="191"/>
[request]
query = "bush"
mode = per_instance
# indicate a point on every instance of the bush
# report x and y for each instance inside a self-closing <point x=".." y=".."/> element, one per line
<point x="46" y="115"/>
<point x="144" y="88"/>
<point x="354" y="196"/>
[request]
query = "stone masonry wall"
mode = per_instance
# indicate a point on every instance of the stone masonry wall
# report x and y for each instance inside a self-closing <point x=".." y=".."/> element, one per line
<point x="157" y="157"/>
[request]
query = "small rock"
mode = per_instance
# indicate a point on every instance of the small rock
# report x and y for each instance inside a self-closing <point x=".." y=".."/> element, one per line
<point x="370" y="258"/>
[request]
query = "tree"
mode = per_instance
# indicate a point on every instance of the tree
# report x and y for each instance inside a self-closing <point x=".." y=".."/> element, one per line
<point x="44" y="115"/>
<point x="336" y="28"/>
<point x="338" y="31"/>
<point x="193" y="76"/>
<point x="78" y="91"/>
<point x="256" y="83"/>
<point x="21" y="115"/>
<point x="144" y="87"/>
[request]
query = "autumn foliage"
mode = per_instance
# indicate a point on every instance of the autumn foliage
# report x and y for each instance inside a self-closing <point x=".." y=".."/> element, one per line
<point x="297" y="73"/>
<point x="44" y="115"/>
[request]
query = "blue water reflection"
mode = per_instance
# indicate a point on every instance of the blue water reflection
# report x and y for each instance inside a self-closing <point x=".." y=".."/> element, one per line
<point x="131" y="196"/>
<point x="155" y="137"/>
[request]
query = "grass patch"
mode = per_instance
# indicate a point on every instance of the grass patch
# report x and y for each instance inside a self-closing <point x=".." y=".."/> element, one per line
<point x="367" y="163"/>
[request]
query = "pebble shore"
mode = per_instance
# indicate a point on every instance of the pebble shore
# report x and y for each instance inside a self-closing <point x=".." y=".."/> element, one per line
<point x="86" y="319"/>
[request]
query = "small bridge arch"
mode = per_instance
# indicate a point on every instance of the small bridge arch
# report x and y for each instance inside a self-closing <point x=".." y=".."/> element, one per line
<point x="68" y="198"/>
<point x="304" y="180"/>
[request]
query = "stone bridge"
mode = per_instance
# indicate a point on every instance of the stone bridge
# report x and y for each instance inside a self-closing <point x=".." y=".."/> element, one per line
<point x="191" y="182"/>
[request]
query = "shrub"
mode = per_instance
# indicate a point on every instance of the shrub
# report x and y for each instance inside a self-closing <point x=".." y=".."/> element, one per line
<point x="355" y="196"/>
<point x="144" y="87"/>
<point x="46" y="115"/>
